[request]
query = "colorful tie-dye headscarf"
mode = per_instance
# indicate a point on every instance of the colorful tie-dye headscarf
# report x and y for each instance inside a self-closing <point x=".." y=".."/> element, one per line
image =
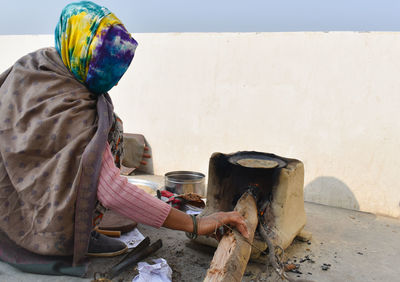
<point x="94" y="45"/>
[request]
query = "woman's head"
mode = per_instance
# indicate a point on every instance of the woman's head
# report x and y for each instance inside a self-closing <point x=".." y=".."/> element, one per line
<point x="94" y="45"/>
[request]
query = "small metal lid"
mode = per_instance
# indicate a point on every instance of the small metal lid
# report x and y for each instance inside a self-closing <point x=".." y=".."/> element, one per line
<point x="184" y="176"/>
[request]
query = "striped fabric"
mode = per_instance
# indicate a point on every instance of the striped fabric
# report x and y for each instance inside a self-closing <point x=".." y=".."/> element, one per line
<point x="116" y="193"/>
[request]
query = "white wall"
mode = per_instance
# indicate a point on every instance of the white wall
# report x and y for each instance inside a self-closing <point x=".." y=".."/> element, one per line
<point x="328" y="99"/>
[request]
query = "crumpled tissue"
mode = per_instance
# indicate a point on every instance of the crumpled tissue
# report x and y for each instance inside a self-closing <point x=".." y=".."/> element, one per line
<point x="132" y="238"/>
<point x="158" y="272"/>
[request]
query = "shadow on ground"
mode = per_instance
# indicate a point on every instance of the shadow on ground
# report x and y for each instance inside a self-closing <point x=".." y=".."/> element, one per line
<point x="331" y="191"/>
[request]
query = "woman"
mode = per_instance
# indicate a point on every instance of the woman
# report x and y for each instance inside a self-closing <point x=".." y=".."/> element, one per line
<point x="59" y="140"/>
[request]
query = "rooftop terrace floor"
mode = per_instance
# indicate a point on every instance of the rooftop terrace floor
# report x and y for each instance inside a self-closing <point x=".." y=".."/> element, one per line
<point x="357" y="246"/>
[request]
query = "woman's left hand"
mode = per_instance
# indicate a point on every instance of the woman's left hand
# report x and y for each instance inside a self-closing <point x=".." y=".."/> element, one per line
<point x="206" y="225"/>
<point x="209" y="224"/>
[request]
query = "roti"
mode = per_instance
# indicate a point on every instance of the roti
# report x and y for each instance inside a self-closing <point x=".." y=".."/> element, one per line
<point x="257" y="163"/>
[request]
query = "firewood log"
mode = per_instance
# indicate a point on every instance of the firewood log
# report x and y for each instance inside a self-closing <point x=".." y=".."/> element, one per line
<point x="233" y="252"/>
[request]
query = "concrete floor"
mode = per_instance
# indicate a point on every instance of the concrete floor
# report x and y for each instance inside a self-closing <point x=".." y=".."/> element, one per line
<point x="357" y="246"/>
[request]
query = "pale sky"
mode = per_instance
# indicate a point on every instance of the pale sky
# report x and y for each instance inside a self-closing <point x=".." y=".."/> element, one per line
<point x="41" y="16"/>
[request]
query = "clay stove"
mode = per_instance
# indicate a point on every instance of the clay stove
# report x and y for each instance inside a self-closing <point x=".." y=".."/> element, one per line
<point x="274" y="181"/>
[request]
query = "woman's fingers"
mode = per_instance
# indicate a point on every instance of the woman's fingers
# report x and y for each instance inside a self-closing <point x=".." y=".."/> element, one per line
<point x="147" y="156"/>
<point x="237" y="220"/>
<point x="242" y="228"/>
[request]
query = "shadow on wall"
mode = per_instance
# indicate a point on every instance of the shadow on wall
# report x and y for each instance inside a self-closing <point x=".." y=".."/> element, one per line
<point x="331" y="191"/>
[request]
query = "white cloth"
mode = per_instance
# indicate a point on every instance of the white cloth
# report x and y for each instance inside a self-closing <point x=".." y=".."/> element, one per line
<point x="158" y="272"/>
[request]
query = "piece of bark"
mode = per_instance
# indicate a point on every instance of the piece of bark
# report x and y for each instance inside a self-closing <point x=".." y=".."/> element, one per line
<point x="304" y="236"/>
<point x="233" y="252"/>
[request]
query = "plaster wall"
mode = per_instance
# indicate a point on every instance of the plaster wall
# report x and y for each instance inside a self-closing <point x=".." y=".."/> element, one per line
<point x="330" y="100"/>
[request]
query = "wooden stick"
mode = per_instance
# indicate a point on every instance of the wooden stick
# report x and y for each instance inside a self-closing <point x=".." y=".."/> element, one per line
<point x="111" y="233"/>
<point x="233" y="252"/>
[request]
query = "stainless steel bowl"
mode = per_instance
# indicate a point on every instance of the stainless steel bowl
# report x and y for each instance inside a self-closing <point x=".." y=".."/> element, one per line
<point x="180" y="182"/>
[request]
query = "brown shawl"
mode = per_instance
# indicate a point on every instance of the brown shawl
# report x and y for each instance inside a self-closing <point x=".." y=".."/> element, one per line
<point x="52" y="135"/>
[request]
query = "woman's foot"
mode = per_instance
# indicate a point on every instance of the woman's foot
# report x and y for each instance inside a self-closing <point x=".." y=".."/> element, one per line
<point x="103" y="246"/>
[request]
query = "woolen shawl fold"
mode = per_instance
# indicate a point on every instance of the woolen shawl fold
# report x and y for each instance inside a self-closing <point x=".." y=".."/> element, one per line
<point x="52" y="132"/>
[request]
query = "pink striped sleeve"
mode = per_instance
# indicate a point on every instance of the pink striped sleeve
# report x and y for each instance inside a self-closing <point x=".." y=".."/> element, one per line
<point x="116" y="193"/>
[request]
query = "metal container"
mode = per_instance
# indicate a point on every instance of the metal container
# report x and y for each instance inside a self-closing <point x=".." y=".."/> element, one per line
<point x="181" y="182"/>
